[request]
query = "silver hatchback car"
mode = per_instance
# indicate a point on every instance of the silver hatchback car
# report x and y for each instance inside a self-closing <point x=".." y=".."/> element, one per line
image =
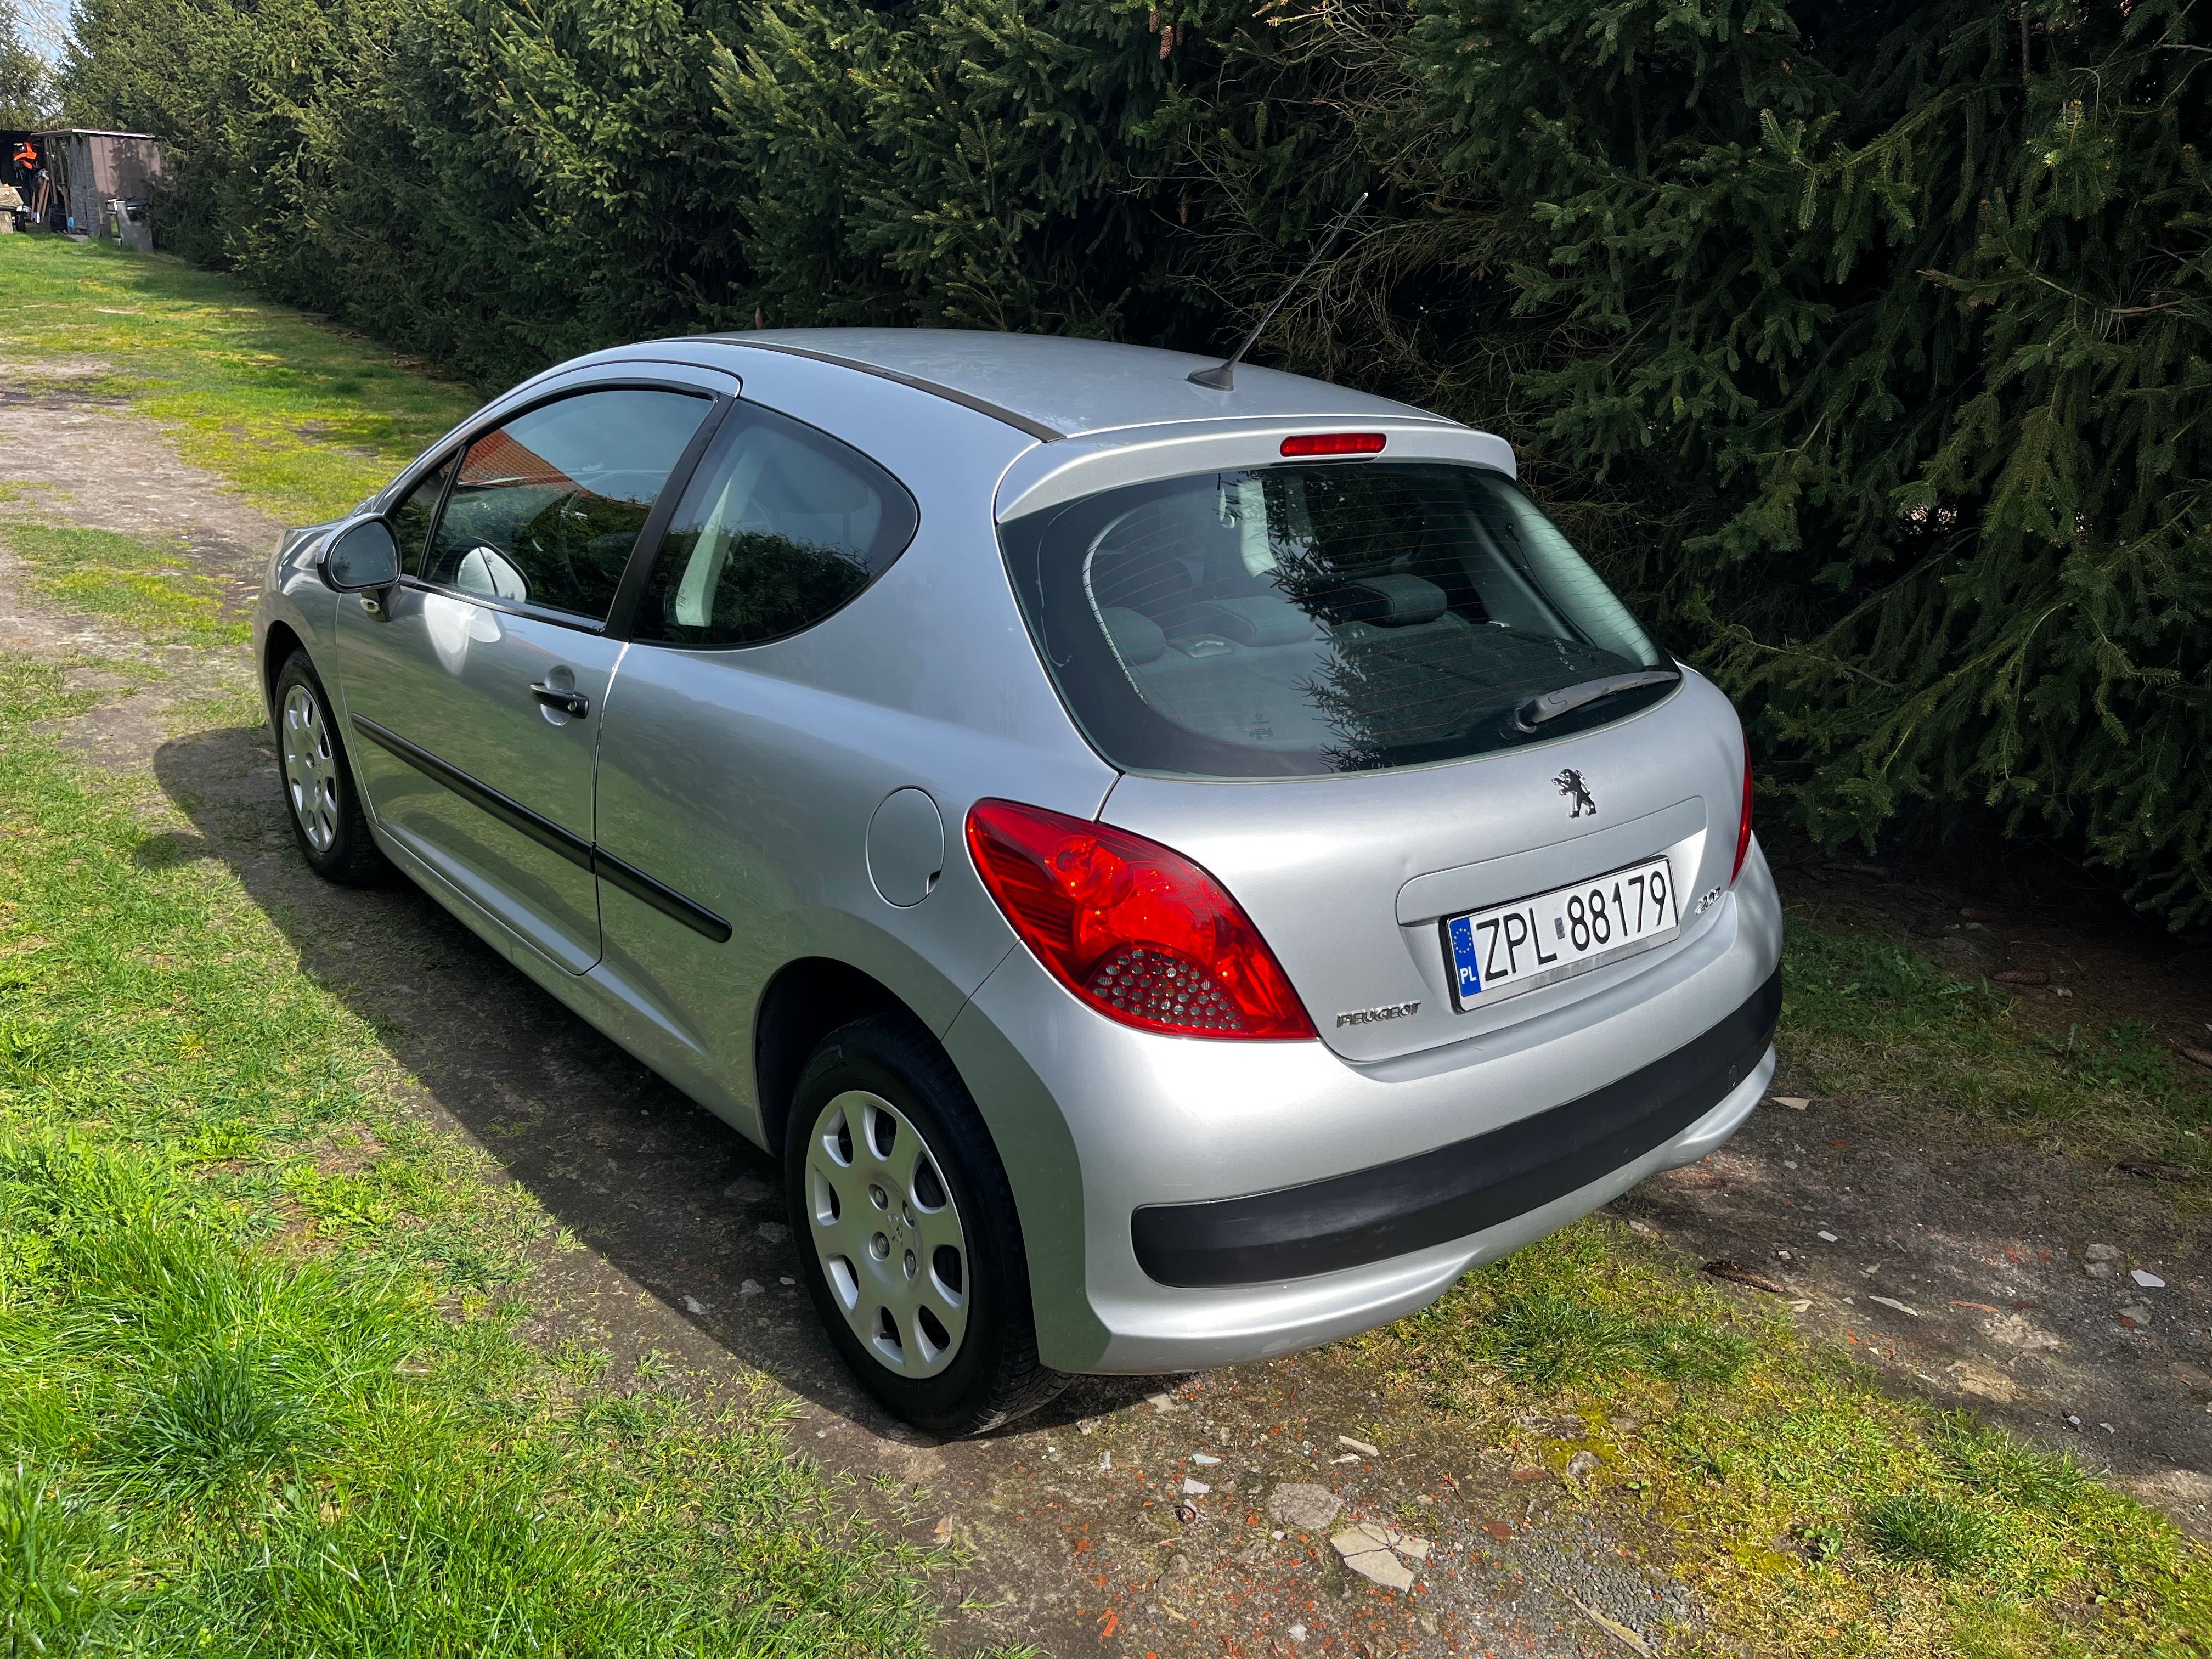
<point x="1177" y="875"/>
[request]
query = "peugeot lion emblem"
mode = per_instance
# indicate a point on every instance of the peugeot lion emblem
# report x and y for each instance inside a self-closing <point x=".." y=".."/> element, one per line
<point x="1572" y="787"/>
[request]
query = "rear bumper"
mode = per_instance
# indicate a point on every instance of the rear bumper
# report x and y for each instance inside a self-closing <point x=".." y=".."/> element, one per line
<point x="1359" y="1192"/>
<point x="1194" y="1329"/>
<point x="1461" y="1189"/>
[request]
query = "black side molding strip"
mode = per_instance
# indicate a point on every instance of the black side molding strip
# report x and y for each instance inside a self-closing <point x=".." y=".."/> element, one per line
<point x="547" y="834"/>
<point x="1393" y="1209"/>
<point x="664" y="898"/>
<point x="507" y="809"/>
<point x="1037" y="429"/>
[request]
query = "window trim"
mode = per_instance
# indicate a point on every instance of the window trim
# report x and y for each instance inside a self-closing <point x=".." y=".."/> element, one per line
<point x="649" y="534"/>
<point x="507" y="607"/>
<point x="638" y="576"/>
<point x="437" y="508"/>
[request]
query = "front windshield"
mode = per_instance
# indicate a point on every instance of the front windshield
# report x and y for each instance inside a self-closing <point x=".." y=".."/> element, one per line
<point x="1331" y="618"/>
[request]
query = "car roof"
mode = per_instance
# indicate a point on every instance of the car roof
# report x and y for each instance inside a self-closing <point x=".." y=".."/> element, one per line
<point x="1055" y="386"/>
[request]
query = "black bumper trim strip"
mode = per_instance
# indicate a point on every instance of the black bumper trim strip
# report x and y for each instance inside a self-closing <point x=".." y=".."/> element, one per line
<point x="1393" y="1209"/>
<point x="547" y="834"/>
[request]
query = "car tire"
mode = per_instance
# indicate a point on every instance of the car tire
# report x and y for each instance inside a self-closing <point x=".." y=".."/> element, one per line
<point x="315" y="776"/>
<point x="879" y="1255"/>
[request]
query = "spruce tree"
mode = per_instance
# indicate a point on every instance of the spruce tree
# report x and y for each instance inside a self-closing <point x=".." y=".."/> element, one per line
<point x="1864" y="343"/>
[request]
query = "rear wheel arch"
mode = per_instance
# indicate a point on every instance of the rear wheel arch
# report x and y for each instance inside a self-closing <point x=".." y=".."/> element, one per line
<point x="889" y="1065"/>
<point x="806" y="1000"/>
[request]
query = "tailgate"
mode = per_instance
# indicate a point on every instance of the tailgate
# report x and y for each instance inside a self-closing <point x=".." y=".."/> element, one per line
<point x="1351" y="877"/>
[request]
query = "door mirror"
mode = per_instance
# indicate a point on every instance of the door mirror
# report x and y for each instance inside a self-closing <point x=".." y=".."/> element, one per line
<point x="363" y="554"/>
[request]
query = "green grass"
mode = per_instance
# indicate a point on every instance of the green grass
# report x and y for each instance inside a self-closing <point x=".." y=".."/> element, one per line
<point x="261" y="1388"/>
<point x="1813" y="1512"/>
<point x="303" y="419"/>
<point x="261" y="1384"/>
<point x="1545" y="1337"/>
<point x="1866" y="1015"/>
<point x="144" y="587"/>
<point x="303" y="1455"/>
<point x="1947" y="1532"/>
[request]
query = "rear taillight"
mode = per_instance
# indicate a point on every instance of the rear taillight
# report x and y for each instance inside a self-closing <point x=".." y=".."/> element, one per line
<point x="1743" y="824"/>
<point x="1137" y="931"/>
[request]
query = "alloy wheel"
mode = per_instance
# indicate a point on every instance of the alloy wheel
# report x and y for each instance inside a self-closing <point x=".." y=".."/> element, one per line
<point x="887" y="1234"/>
<point x="311" y="770"/>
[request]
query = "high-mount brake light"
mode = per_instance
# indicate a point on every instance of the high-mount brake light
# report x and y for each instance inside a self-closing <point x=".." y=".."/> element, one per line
<point x="1743" y="824"/>
<point x="1335" y="443"/>
<point x="1135" y="928"/>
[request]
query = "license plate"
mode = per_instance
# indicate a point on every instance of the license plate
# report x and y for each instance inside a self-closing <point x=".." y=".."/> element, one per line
<point x="1510" y="948"/>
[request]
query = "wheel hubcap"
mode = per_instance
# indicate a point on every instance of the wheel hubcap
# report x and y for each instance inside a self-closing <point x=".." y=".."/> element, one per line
<point x="311" y="770"/>
<point x="887" y="1234"/>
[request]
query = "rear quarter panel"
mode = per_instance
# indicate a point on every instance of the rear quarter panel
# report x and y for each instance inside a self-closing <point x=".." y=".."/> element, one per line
<point x="747" y="777"/>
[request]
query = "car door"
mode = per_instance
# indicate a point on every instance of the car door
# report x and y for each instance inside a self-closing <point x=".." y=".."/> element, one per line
<point x="720" y="779"/>
<point x="475" y="689"/>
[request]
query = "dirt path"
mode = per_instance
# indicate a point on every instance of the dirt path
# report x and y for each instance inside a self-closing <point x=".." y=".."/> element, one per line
<point x="78" y="456"/>
<point x="1993" y="1248"/>
<point x="1082" y="1535"/>
<point x="1961" y="1271"/>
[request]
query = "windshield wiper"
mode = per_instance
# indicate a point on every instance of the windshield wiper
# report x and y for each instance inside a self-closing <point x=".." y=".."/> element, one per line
<point x="1553" y="704"/>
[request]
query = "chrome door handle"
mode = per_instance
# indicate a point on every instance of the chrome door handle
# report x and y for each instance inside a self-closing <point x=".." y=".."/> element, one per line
<point x="574" y="704"/>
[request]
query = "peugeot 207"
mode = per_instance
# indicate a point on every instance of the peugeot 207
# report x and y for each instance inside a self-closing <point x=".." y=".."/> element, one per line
<point x="1173" y="874"/>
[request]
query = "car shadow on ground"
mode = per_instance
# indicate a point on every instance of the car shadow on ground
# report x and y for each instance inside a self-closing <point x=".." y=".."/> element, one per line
<point x="674" y="1201"/>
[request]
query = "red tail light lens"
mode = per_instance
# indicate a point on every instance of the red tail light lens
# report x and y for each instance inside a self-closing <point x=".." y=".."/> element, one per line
<point x="1743" y="825"/>
<point x="1139" y="931"/>
<point x="1335" y="443"/>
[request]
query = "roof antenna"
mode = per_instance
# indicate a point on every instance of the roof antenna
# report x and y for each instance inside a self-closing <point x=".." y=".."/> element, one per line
<point x="1222" y="377"/>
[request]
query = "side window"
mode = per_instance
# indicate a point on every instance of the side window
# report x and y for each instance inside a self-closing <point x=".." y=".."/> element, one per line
<point x="411" y="520"/>
<point x="546" y="508"/>
<point x="781" y="525"/>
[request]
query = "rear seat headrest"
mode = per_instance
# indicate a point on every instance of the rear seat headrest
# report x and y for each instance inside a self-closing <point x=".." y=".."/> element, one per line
<point x="1137" y="638"/>
<point x="1390" y="601"/>
<point x="1256" y="619"/>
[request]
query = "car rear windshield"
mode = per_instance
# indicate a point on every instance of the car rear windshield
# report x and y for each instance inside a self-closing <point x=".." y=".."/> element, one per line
<point x="1331" y="618"/>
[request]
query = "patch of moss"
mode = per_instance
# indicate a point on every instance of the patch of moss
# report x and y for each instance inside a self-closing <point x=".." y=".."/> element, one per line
<point x="141" y="584"/>
<point x="1813" y="1513"/>
<point x="303" y="417"/>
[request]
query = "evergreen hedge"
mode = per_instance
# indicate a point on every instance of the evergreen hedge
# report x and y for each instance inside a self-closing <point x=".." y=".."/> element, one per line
<point x="1864" y="342"/>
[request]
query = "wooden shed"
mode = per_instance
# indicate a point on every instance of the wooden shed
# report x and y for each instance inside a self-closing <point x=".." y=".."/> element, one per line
<point x="89" y="168"/>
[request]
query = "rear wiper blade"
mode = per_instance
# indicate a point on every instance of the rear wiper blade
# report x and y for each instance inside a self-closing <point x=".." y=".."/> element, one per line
<point x="1553" y="704"/>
